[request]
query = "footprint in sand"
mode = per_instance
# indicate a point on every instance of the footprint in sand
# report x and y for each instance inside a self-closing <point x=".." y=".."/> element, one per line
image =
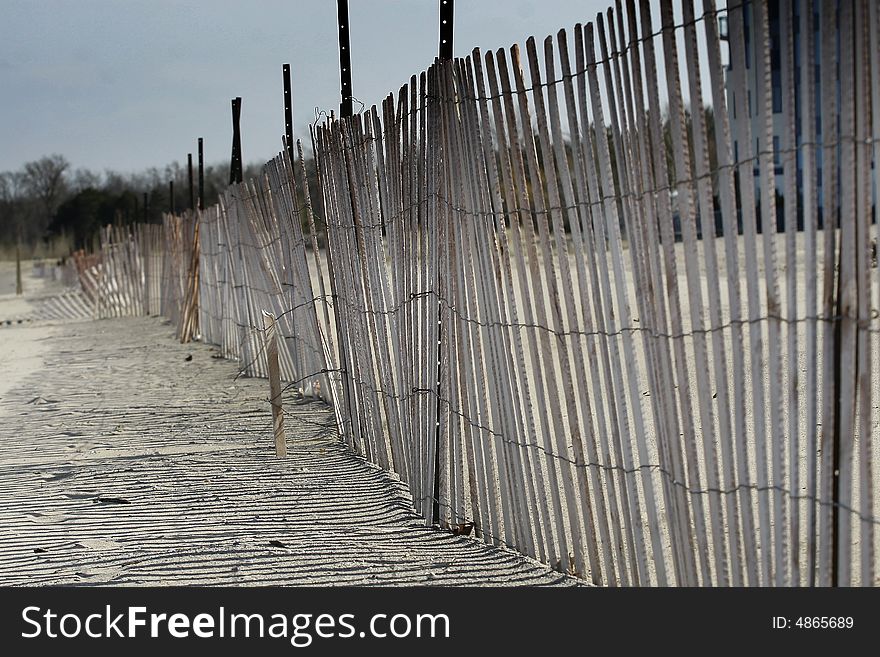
<point x="99" y="544"/>
<point x="79" y="496"/>
<point x="56" y="476"/>
<point x="47" y="518"/>
<point x="100" y="574"/>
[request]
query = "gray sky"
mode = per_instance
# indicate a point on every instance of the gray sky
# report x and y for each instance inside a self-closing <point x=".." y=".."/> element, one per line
<point x="129" y="84"/>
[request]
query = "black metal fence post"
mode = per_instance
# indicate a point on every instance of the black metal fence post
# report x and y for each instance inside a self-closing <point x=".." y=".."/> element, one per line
<point x="445" y="54"/>
<point x="288" y="111"/>
<point x="201" y="174"/>
<point x="344" y="59"/>
<point x="235" y="171"/>
<point x="446" y="16"/>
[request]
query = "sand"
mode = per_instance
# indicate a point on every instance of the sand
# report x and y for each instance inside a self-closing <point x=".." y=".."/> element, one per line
<point x="21" y="343"/>
<point x="126" y="463"/>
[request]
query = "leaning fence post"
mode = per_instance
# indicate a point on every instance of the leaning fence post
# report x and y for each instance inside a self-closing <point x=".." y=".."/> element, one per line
<point x="271" y="338"/>
<point x="288" y="111"/>
<point x="235" y="172"/>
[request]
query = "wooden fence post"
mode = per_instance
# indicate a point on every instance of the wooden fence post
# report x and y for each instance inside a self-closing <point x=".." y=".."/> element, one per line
<point x="18" y="288"/>
<point x="189" y="310"/>
<point x="271" y="338"/>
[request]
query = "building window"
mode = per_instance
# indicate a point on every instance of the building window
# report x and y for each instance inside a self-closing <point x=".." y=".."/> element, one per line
<point x="777" y="156"/>
<point x="775" y="57"/>
<point x="747" y="16"/>
<point x="756" y="170"/>
<point x="776" y="84"/>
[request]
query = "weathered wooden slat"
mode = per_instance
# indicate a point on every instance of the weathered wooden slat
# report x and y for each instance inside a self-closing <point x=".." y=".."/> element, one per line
<point x="608" y="235"/>
<point x="830" y="222"/>
<point x="683" y="175"/>
<point x="728" y="569"/>
<point x="492" y="134"/>
<point x="634" y="164"/>
<point x="868" y="243"/>
<point x="271" y="338"/>
<point x="847" y="310"/>
<point x="523" y="245"/>
<point x="788" y="157"/>
<point x="754" y="315"/>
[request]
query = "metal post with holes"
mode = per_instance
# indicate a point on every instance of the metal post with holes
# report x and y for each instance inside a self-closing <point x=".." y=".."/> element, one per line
<point x="288" y="111"/>
<point x="201" y="174"/>
<point x="192" y="194"/>
<point x="235" y="172"/>
<point x="445" y="54"/>
<point x="344" y="59"/>
<point x="446" y="15"/>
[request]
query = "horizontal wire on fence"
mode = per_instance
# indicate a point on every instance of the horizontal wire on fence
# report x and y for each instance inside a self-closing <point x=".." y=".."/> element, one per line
<point x="604" y="198"/>
<point x="652" y="467"/>
<point x="243" y="370"/>
<point x="290" y="384"/>
<point x="657" y="468"/>
<point x="264" y="345"/>
<point x="302" y="420"/>
<point x="861" y="324"/>
<point x="755" y="487"/>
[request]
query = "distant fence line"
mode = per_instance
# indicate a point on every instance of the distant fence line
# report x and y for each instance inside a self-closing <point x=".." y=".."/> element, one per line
<point x="525" y="320"/>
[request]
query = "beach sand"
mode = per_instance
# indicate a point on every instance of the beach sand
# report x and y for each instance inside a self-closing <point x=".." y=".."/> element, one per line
<point x="130" y="459"/>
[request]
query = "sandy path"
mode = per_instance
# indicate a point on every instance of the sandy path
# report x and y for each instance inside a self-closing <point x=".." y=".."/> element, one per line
<point x="125" y="463"/>
<point x="21" y="342"/>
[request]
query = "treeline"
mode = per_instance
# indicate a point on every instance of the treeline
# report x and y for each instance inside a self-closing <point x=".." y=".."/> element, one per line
<point x="48" y="199"/>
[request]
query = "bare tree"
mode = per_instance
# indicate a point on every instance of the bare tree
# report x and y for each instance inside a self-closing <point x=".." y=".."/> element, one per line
<point x="46" y="182"/>
<point x="12" y="199"/>
<point x="83" y="178"/>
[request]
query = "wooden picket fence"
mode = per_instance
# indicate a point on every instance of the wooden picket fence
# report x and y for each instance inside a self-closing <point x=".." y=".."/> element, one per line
<point x="143" y="270"/>
<point x="537" y="288"/>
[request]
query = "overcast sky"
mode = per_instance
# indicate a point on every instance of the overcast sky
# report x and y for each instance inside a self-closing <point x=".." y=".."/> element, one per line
<point x="129" y="84"/>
